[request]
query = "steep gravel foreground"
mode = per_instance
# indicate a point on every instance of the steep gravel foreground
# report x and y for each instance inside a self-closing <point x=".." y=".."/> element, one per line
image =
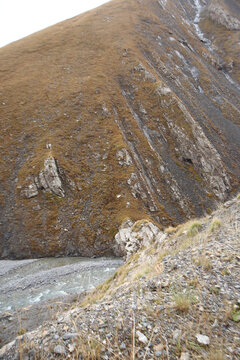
<point x="176" y="300"/>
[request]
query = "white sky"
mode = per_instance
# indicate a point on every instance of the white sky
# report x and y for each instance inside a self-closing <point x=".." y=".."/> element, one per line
<point x="19" y="18"/>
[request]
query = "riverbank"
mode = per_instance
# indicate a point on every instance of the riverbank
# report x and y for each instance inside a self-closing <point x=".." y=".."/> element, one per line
<point x="34" y="290"/>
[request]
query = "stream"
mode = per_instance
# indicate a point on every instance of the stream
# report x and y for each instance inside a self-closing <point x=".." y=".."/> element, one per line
<point x="27" y="282"/>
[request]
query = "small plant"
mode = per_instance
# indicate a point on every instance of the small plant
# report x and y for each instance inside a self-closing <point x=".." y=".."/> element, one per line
<point x="170" y="230"/>
<point x="192" y="345"/>
<point x="215" y="224"/>
<point x="193" y="282"/>
<point x="216" y="354"/>
<point x="238" y="197"/>
<point x="144" y="271"/>
<point x="225" y="271"/>
<point x="194" y="228"/>
<point x="235" y="313"/>
<point x="22" y="331"/>
<point x="204" y="262"/>
<point x="236" y="316"/>
<point x="214" y="290"/>
<point x="182" y="302"/>
<point x="232" y="312"/>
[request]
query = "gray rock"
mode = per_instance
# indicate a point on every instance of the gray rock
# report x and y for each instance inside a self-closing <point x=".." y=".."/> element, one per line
<point x="141" y="337"/>
<point x="176" y="335"/>
<point x="68" y="336"/>
<point x="30" y="191"/>
<point x="60" y="350"/>
<point x="203" y="339"/>
<point x="48" y="180"/>
<point x="132" y="236"/>
<point x="122" y="346"/>
<point x="185" y="356"/>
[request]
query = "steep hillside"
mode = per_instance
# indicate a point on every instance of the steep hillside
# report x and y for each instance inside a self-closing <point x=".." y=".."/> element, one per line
<point x="178" y="297"/>
<point x="122" y="112"/>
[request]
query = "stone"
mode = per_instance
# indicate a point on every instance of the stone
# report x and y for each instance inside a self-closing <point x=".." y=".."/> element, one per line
<point x="158" y="348"/>
<point x="71" y="347"/>
<point x="203" y="339"/>
<point x="141" y="337"/>
<point x="122" y="346"/>
<point x="68" y="336"/>
<point x="60" y="350"/>
<point x="30" y="191"/>
<point x="185" y="356"/>
<point x="176" y="335"/>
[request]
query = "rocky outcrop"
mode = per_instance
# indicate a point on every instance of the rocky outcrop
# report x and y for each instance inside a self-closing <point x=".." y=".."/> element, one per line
<point x="47" y="180"/>
<point x="132" y="236"/>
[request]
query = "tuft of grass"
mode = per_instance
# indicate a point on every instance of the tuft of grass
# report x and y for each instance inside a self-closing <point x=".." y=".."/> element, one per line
<point x="194" y="228"/>
<point x="138" y="224"/>
<point x="216" y="354"/>
<point x="193" y="282"/>
<point x="232" y="312"/>
<point x="170" y="230"/>
<point x="182" y="302"/>
<point x="215" y="224"/>
<point x="22" y="331"/>
<point x="214" y="290"/>
<point x="204" y="262"/>
<point x="144" y="271"/>
<point x="238" y="197"/>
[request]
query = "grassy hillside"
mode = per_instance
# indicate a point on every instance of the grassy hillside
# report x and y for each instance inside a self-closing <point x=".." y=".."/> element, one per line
<point x="129" y="80"/>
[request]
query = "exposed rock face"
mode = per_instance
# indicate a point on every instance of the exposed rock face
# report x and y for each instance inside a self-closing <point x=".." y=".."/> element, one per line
<point x="219" y="13"/>
<point x="48" y="180"/>
<point x="131" y="237"/>
<point x="220" y="20"/>
<point x="140" y="118"/>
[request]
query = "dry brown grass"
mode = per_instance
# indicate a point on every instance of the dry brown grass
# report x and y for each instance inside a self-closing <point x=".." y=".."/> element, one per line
<point x="182" y="302"/>
<point x="204" y="262"/>
<point x="215" y="224"/>
<point x="59" y="99"/>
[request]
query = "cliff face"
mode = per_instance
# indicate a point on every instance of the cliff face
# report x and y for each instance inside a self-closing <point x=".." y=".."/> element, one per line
<point x="122" y="112"/>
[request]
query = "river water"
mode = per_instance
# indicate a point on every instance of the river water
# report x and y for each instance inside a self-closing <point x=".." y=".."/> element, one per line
<point x="26" y="282"/>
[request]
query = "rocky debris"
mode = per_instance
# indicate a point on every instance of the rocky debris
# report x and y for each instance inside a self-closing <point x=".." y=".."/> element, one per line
<point x="47" y="180"/>
<point x="221" y="15"/>
<point x="124" y="159"/>
<point x="136" y="187"/>
<point x="200" y="152"/>
<point x="202" y="270"/>
<point x="132" y="236"/>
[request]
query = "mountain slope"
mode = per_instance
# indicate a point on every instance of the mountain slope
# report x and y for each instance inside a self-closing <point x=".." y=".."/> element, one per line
<point x="122" y="112"/>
